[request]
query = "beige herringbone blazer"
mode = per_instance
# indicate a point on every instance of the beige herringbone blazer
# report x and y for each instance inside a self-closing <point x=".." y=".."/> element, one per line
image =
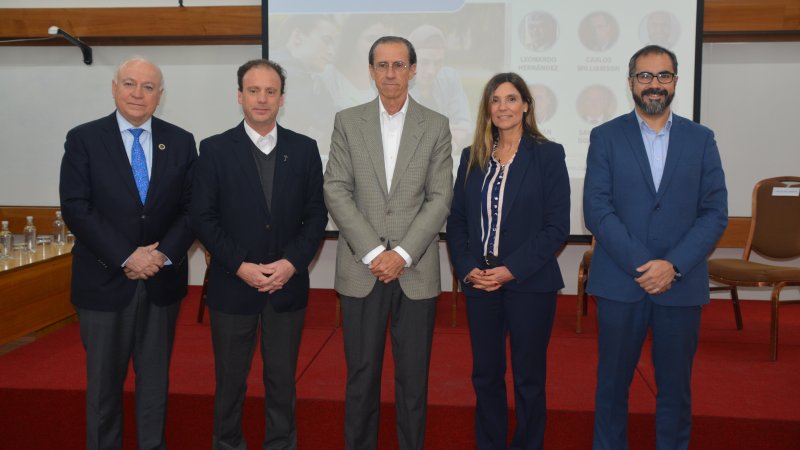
<point x="410" y="214"/>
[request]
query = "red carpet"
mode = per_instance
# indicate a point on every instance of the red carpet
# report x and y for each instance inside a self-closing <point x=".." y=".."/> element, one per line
<point x="741" y="400"/>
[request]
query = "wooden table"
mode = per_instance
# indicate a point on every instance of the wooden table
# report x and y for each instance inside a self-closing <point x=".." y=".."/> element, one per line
<point x="34" y="290"/>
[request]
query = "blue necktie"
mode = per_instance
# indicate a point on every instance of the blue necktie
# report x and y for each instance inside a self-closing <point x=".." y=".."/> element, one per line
<point x="139" y="164"/>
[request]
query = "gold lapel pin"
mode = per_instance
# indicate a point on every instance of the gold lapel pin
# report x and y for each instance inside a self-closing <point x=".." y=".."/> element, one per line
<point x="162" y="147"/>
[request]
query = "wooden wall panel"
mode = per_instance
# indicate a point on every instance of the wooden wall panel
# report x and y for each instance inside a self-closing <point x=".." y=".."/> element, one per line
<point x="751" y="15"/>
<point x="735" y="235"/>
<point x="742" y="20"/>
<point x="114" y="26"/>
<point x="751" y="20"/>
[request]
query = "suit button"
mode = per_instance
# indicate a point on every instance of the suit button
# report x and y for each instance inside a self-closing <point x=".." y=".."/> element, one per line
<point x="383" y="239"/>
<point x="143" y="216"/>
<point x="389" y="212"/>
<point x="267" y="227"/>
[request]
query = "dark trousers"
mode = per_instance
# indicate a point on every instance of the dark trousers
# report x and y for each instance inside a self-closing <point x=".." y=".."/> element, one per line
<point x="622" y="330"/>
<point x="365" y="320"/>
<point x="234" y="338"/>
<point x="527" y="319"/>
<point x="144" y="332"/>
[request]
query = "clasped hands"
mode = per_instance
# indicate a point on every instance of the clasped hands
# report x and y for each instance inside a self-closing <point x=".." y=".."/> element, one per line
<point x="657" y="276"/>
<point x="144" y="262"/>
<point x="266" y="277"/>
<point x="387" y="266"/>
<point x="489" y="279"/>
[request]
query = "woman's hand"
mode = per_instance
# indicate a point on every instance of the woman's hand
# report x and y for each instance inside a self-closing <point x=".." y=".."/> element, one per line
<point x="490" y="279"/>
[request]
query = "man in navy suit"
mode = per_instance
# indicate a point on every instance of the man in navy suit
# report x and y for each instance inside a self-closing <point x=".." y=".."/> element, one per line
<point x="655" y="199"/>
<point x="257" y="207"/>
<point x="125" y="187"/>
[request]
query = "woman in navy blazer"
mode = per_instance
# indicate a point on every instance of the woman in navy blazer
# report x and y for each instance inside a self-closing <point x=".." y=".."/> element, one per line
<point x="509" y="218"/>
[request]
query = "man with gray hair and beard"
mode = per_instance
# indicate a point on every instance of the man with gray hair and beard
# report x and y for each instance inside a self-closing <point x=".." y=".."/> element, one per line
<point x="655" y="199"/>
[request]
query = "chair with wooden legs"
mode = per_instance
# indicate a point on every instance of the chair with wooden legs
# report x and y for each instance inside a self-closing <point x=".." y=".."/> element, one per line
<point x="775" y="235"/>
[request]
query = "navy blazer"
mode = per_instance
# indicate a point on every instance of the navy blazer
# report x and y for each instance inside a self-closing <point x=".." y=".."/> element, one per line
<point x="633" y="223"/>
<point x="231" y="218"/>
<point x="101" y="207"/>
<point x="535" y="218"/>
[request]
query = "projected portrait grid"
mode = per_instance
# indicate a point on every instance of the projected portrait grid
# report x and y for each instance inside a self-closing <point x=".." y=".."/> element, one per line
<point x="576" y="64"/>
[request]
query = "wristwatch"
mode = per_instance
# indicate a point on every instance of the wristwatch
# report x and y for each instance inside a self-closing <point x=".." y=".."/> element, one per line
<point x="678" y="274"/>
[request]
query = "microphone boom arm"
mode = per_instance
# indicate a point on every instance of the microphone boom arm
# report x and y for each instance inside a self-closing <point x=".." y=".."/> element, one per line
<point x="85" y="49"/>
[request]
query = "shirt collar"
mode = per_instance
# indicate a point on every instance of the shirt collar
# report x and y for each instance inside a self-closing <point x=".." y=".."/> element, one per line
<point x="645" y="127"/>
<point x="254" y="136"/>
<point x="385" y="113"/>
<point x="124" y="125"/>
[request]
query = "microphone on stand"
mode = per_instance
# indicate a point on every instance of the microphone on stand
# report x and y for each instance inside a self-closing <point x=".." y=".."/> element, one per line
<point x="85" y="49"/>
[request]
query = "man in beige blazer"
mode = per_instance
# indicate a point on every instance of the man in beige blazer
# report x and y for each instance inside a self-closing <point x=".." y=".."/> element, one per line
<point x="388" y="186"/>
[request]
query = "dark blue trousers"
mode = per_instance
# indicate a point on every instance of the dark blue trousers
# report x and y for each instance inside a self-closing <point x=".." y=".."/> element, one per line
<point x="527" y="319"/>
<point x="622" y="330"/>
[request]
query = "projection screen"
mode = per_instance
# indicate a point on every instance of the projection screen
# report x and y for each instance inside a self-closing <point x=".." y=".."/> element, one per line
<point x="574" y="56"/>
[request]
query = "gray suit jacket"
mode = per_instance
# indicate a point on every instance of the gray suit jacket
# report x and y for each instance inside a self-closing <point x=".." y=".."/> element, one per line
<point x="369" y="214"/>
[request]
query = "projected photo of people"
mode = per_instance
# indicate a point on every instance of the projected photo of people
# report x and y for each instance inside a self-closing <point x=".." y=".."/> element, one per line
<point x="598" y="31"/>
<point x="306" y="42"/>
<point x="456" y="53"/>
<point x="347" y="79"/>
<point x="304" y="45"/>
<point x="538" y="31"/>
<point x="437" y="85"/>
<point x="596" y="104"/>
<point x="660" y="28"/>
<point x="545" y="102"/>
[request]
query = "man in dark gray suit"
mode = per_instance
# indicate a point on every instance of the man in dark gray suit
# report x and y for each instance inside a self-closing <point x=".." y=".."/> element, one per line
<point x="388" y="187"/>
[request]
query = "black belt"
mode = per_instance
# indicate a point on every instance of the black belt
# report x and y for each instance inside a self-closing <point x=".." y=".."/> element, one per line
<point x="491" y="261"/>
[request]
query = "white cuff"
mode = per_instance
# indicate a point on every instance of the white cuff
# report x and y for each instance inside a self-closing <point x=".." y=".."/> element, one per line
<point x="404" y="254"/>
<point x="367" y="259"/>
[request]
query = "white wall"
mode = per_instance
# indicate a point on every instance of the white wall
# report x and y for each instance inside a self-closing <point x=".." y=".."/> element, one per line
<point x="748" y="96"/>
<point x="750" y="99"/>
<point x="46" y="91"/>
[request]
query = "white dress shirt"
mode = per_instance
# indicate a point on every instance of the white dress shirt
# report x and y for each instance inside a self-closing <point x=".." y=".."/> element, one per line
<point x="391" y="132"/>
<point x="264" y="143"/>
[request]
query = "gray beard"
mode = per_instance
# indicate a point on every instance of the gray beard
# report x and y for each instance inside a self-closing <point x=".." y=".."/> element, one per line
<point x="653" y="108"/>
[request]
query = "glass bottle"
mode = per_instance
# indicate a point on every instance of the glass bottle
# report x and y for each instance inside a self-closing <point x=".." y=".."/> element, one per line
<point x="59" y="230"/>
<point x="6" y="241"/>
<point x="30" y="235"/>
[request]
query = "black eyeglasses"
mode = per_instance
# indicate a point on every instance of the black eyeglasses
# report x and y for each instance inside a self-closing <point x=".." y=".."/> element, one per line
<point x="383" y="66"/>
<point x="647" y="77"/>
